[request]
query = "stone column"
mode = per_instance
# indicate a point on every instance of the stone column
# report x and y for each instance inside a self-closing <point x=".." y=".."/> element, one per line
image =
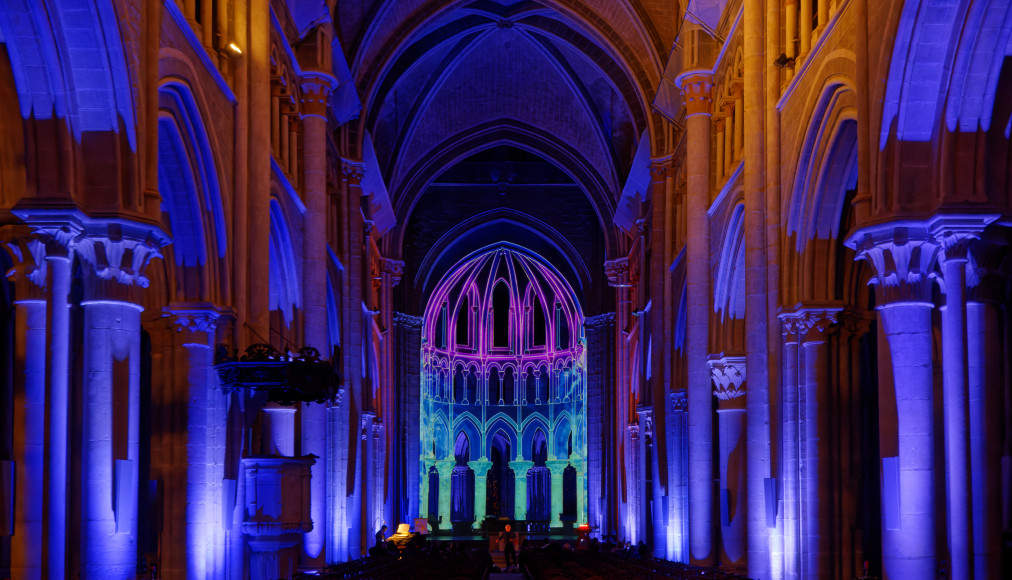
<point x="719" y="129"/>
<point x="953" y="234"/>
<point x="115" y="255"/>
<point x="315" y="92"/>
<point x="815" y="430"/>
<point x="696" y="94"/>
<point x="729" y="379"/>
<point x="445" y="467"/>
<point x="520" y="468"/>
<point x="902" y="258"/>
<point x="739" y="124"/>
<point x="600" y="332"/>
<point x="986" y="291"/>
<point x="29" y="402"/>
<point x="198" y="324"/>
<point x="315" y="89"/>
<point x="791" y="33"/>
<point x="480" y="468"/>
<point x="806" y="28"/>
<point x="556" y="467"/>
<point x="791" y="475"/>
<point x="678" y="485"/>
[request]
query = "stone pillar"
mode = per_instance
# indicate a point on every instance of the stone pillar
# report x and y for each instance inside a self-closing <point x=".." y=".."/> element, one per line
<point x="315" y="90"/>
<point x="986" y="290"/>
<point x="29" y="404"/>
<point x="678" y="484"/>
<point x="815" y="429"/>
<point x="445" y="468"/>
<point x="902" y="258"/>
<point x="792" y="323"/>
<point x="739" y="124"/>
<point x="600" y="332"/>
<point x="806" y="28"/>
<point x="556" y="467"/>
<point x="480" y="468"/>
<point x="791" y="33"/>
<point x="953" y="234"/>
<point x="758" y="287"/>
<point x="115" y="255"/>
<point x="729" y="379"/>
<point x="718" y="126"/>
<point x="198" y="324"/>
<point x="42" y="254"/>
<point x="730" y="151"/>
<point x="696" y="94"/>
<point x="520" y="468"/>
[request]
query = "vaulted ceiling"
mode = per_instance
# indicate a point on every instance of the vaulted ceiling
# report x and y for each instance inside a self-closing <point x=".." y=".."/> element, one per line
<point x="565" y="82"/>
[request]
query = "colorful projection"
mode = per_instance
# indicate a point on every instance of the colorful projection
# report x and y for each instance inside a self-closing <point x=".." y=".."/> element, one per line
<point x="503" y="422"/>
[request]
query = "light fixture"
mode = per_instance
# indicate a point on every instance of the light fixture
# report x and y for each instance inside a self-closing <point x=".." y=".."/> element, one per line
<point x="783" y="61"/>
<point x="233" y="50"/>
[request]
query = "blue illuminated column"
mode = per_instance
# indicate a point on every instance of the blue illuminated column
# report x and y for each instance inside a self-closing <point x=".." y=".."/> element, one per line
<point x="791" y="474"/>
<point x="115" y="254"/>
<point x="986" y="292"/>
<point x="954" y="233"/>
<point x="815" y="433"/>
<point x="677" y="477"/>
<point x="902" y="257"/>
<point x="520" y="468"/>
<point x="29" y="402"/>
<point x="698" y="104"/>
<point x="729" y="379"/>
<point x="315" y="91"/>
<point x="198" y="323"/>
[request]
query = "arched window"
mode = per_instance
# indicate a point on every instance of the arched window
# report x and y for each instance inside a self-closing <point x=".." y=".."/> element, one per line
<point x="494" y="387"/>
<point x="539" y="481"/>
<point x="509" y="387"/>
<point x="458" y="384"/>
<point x="531" y="386"/>
<point x="561" y="327"/>
<point x="501" y="315"/>
<point x="463" y="320"/>
<point x="462" y="482"/>
<point x="441" y="327"/>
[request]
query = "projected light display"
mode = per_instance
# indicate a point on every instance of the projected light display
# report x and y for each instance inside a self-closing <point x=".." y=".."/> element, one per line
<point x="503" y="424"/>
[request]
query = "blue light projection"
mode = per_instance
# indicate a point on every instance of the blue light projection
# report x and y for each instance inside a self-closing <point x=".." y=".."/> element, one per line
<point x="503" y="424"/>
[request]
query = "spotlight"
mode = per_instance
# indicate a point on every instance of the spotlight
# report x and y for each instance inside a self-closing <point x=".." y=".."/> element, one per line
<point x="783" y="61"/>
<point x="233" y="51"/>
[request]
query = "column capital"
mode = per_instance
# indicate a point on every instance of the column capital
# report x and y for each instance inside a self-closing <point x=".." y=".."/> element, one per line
<point x="407" y="320"/>
<point x="28" y="255"/>
<point x="854" y="322"/>
<point x="696" y="92"/>
<point x="196" y="317"/>
<point x="617" y="271"/>
<point x="736" y="89"/>
<point x="902" y="255"/>
<point x="679" y="401"/>
<point x="955" y="232"/>
<point x="809" y="323"/>
<point x="661" y="167"/>
<point x="117" y="253"/>
<point x="352" y="171"/>
<point x="646" y="415"/>
<point x="728" y="373"/>
<point x="718" y="124"/>
<point x="393" y="268"/>
<point x="316" y="88"/>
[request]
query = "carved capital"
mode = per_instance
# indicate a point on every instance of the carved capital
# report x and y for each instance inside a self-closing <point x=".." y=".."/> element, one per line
<point x="718" y="125"/>
<point x="855" y="323"/>
<point x="679" y="401"/>
<point x="902" y="256"/>
<point x="352" y="172"/>
<point x="117" y="255"/>
<point x="28" y="254"/>
<point x="407" y="320"/>
<point x="617" y="271"/>
<point x="955" y="232"/>
<point x="196" y="318"/>
<point x="661" y="168"/>
<point x="394" y="269"/>
<point x="316" y="88"/>
<point x="696" y="96"/>
<point x="728" y="374"/>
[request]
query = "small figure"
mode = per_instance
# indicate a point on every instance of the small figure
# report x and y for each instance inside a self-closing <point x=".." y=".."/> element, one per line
<point x="381" y="536"/>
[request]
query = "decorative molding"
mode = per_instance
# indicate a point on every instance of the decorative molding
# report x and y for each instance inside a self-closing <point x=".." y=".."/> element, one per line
<point x="955" y="232"/>
<point x="599" y="321"/>
<point x="728" y="373"/>
<point x="316" y="88"/>
<point x="352" y="171"/>
<point x="393" y="268"/>
<point x="617" y="271"/>
<point x="679" y="401"/>
<point x="407" y="320"/>
<point x="196" y="317"/>
<point x="902" y="255"/>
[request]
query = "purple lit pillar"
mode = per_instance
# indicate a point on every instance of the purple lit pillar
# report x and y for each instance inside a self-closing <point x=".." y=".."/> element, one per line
<point x="985" y="372"/>
<point x="58" y="262"/>
<point x="316" y="88"/>
<point x="198" y="343"/>
<point x="29" y="415"/>
<point x="902" y="257"/>
<point x="115" y="254"/>
<point x="791" y="474"/>
<point x="698" y="104"/>
<point x="729" y="378"/>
